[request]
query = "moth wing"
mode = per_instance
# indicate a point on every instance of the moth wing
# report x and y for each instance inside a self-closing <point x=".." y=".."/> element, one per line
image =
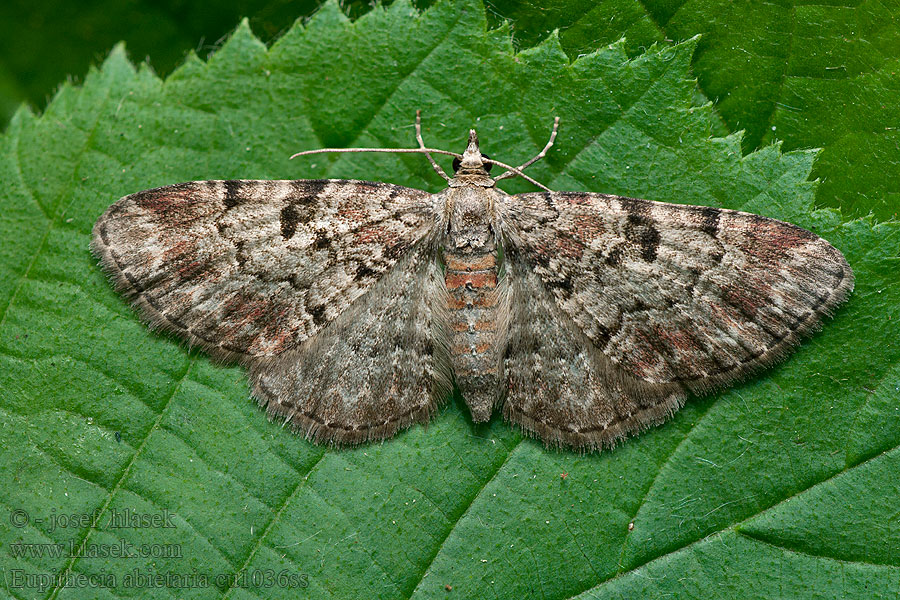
<point x="380" y="366"/>
<point x="686" y="298"/>
<point x="248" y="268"/>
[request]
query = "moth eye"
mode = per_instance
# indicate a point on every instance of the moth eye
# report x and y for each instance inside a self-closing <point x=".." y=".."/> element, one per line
<point x="457" y="162"/>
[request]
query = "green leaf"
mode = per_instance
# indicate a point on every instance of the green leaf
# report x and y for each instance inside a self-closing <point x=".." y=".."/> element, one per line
<point x="812" y="75"/>
<point x="785" y="485"/>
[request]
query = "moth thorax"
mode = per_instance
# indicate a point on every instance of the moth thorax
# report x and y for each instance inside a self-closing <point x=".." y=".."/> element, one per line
<point x="470" y="220"/>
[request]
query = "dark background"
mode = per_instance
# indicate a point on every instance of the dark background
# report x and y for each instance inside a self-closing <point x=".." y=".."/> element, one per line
<point x="45" y="43"/>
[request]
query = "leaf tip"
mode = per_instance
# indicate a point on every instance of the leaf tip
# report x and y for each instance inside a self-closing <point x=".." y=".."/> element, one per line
<point x="23" y="115"/>
<point x="243" y="32"/>
<point x="549" y="47"/>
<point x="118" y="59"/>
<point x="328" y="13"/>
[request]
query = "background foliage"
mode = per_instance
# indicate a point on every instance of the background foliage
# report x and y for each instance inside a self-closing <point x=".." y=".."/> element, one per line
<point x="785" y="486"/>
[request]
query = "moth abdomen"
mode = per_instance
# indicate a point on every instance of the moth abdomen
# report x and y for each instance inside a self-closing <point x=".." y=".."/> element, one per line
<point x="471" y="279"/>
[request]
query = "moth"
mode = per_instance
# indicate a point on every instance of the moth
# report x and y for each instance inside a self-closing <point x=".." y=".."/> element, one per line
<point x="357" y="306"/>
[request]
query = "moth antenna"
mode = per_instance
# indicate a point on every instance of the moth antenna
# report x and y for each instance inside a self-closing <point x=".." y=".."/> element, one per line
<point x="436" y="166"/>
<point x="395" y="150"/>
<point x="510" y="170"/>
<point x="540" y="155"/>
<point x="515" y="172"/>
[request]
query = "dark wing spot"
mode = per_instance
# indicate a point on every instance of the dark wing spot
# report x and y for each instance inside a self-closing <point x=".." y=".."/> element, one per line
<point x="393" y="252"/>
<point x="318" y="314"/>
<point x="233" y="195"/>
<point x="290" y="217"/>
<point x="638" y="210"/>
<point x="365" y="272"/>
<point x="558" y="281"/>
<point x="614" y="256"/>
<point x="603" y="336"/>
<point x="301" y="205"/>
<point x="640" y="230"/>
<point x="709" y="220"/>
<point x="648" y="240"/>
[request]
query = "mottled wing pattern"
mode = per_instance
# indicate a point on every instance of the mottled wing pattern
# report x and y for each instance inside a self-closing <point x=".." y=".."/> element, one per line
<point x="674" y="298"/>
<point x="380" y="366"/>
<point x="560" y="386"/>
<point x="247" y="269"/>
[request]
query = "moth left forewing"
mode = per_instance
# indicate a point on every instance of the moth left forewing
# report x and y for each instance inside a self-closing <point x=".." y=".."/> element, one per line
<point x="687" y="295"/>
<point x="250" y="268"/>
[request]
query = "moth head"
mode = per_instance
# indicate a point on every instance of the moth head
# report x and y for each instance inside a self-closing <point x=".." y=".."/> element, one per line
<point x="471" y="162"/>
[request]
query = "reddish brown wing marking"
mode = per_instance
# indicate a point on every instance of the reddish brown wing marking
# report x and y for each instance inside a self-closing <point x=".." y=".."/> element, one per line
<point x="251" y="268"/>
